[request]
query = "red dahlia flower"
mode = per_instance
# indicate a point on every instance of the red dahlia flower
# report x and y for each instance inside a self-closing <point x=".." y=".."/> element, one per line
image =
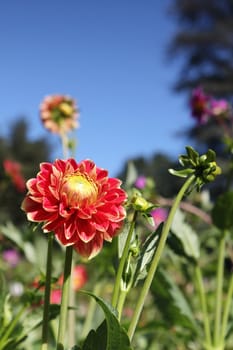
<point x="78" y="202"/>
<point x="59" y="113"/>
<point x="14" y="170"/>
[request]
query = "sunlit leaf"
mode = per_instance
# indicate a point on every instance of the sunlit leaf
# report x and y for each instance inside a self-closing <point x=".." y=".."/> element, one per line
<point x="110" y="335"/>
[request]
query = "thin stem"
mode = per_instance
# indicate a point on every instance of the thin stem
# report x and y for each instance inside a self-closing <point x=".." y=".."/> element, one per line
<point x="72" y="314"/>
<point x="121" y="302"/>
<point x="45" y="322"/>
<point x="64" y="141"/>
<point x="65" y="299"/>
<point x="157" y="256"/>
<point x="226" y="311"/>
<point x="11" y="327"/>
<point x="124" y="287"/>
<point x="122" y="262"/>
<point x="219" y="290"/>
<point x="202" y="296"/>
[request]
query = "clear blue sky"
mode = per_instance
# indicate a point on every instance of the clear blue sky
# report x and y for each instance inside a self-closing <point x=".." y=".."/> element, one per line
<point x="108" y="55"/>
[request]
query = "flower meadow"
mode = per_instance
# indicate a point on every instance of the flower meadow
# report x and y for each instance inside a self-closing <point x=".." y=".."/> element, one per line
<point x="103" y="263"/>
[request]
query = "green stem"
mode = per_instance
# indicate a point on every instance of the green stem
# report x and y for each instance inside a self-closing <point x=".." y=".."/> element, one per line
<point x="226" y="311"/>
<point x="45" y="322"/>
<point x="202" y="296"/>
<point x="121" y="302"/>
<point x="124" y="286"/>
<point x="219" y="290"/>
<point x="64" y="141"/>
<point x="122" y="262"/>
<point x="11" y="327"/>
<point x="65" y="299"/>
<point x="72" y="315"/>
<point x="155" y="261"/>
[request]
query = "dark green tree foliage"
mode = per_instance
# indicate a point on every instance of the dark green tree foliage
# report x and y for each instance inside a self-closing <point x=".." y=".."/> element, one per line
<point x="204" y="42"/>
<point x="17" y="146"/>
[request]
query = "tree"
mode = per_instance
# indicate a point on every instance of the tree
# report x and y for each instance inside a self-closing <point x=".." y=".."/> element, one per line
<point x="26" y="156"/>
<point x="205" y="42"/>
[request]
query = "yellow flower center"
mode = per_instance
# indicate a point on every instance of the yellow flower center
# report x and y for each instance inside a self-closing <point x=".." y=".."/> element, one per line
<point x="66" y="108"/>
<point x="80" y="190"/>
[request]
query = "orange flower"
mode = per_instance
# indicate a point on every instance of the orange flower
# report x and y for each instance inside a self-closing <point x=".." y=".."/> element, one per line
<point x="78" y="202"/>
<point x="59" y="113"/>
<point x="79" y="277"/>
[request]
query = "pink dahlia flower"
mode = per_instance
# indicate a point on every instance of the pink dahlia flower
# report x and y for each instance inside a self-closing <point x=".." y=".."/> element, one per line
<point x="200" y="105"/>
<point x="59" y="113"/>
<point x="78" y="202"/>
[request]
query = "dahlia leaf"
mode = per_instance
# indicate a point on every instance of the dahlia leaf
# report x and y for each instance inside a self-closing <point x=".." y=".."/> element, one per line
<point x="110" y="335"/>
<point x="172" y="302"/>
<point x="187" y="239"/>
<point x="222" y="212"/>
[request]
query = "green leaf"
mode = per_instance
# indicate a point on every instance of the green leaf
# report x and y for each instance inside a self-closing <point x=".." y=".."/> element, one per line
<point x="110" y="335"/>
<point x="15" y="235"/>
<point x="181" y="173"/>
<point x="186" y="235"/>
<point x="172" y="302"/>
<point x="222" y="212"/>
<point x="210" y="156"/>
<point x="131" y="175"/>
<point x="192" y="154"/>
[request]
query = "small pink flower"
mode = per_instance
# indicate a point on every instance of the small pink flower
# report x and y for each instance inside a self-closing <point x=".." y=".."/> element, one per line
<point x="159" y="215"/>
<point x="59" y="113"/>
<point x="78" y="202"/>
<point x="14" y="170"/>
<point x="219" y="107"/>
<point x="55" y="296"/>
<point x="140" y="182"/>
<point x="11" y="256"/>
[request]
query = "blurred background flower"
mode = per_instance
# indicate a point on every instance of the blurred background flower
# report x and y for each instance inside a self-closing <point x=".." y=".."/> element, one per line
<point x="59" y="113"/>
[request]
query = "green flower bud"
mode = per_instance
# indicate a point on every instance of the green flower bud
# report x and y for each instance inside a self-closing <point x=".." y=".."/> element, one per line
<point x="139" y="203"/>
<point x="211" y="172"/>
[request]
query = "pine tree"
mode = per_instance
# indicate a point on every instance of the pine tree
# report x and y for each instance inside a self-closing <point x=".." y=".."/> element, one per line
<point x="204" y="42"/>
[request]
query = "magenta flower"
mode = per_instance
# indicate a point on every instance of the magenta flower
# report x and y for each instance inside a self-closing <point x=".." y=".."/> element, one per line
<point x="11" y="256"/>
<point x="140" y="183"/>
<point x="200" y="105"/>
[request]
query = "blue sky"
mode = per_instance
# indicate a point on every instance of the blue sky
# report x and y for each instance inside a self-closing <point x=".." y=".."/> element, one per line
<point x="111" y="57"/>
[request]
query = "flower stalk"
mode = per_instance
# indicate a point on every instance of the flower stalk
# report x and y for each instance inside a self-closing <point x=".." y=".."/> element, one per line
<point x="202" y="296"/>
<point x="219" y="291"/>
<point x="65" y="299"/>
<point x="45" y="322"/>
<point x="157" y="256"/>
<point x="123" y="259"/>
